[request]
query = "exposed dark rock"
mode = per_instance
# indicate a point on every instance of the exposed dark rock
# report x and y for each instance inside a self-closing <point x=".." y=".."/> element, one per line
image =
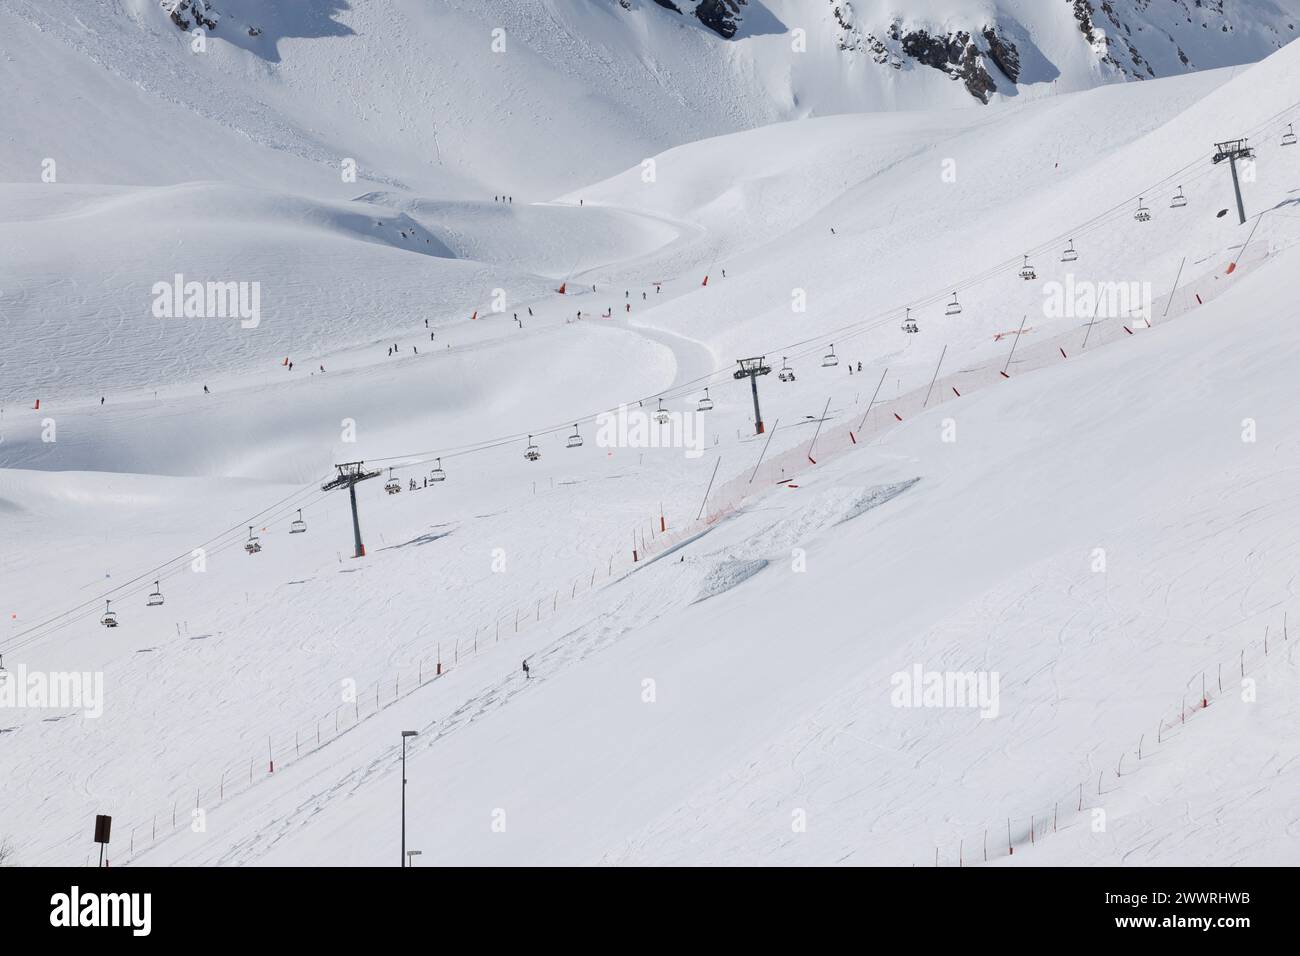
<point x="721" y="16"/>
<point x="669" y="5"/>
<point x="1003" y="53"/>
<point x="187" y="14"/>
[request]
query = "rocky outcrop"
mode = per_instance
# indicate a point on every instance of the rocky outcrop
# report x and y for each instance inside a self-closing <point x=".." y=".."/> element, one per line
<point x="721" y="16"/>
<point x="188" y="14"/>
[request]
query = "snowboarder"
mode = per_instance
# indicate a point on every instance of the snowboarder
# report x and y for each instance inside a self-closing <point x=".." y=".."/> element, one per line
<point x="290" y="366"/>
<point x="724" y="273"/>
<point x="526" y="674"/>
<point x="414" y="348"/>
<point x="322" y="368"/>
<point x="101" y="400"/>
<point x="390" y="352"/>
<point x="205" y="390"/>
<point x="859" y="366"/>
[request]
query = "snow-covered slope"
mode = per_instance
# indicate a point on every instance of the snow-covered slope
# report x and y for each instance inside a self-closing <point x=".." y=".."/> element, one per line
<point x="714" y="643"/>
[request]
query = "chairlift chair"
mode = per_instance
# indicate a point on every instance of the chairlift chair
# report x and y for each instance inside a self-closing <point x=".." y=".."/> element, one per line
<point x="393" y="487"/>
<point x="532" y="452"/>
<point x="1143" y="214"/>
<point x="830" y="360"/>
<point x="110" y="616"/>
<point x="575" y="440"/>
<point x="438" y="474"/>
<point x="954" y="307"/>
<point x="661" y="413"/>
<point x="1027" y="271"/>
<point x="787" y="373"/>
<point x="155" y="597"/>
<point x="1288" y="138"/>
<point x="298" y="526"/>
<point x="1069" y="255"/>
<point x="252" y="545"/>
<point x="909" y="323"/>
<point x="1179" y="200"/>
<point x="706" y="403"/>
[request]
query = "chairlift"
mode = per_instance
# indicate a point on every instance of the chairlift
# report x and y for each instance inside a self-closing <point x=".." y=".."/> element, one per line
<point x="661" y="413"/>
<point x="438" y="474"/>
<point x="298" y="526"/>
<point x="1143" y="214"/>
<point x="110" y="616"/>
<point x="1179" y="201"/>
<point x="909" y="323"/>
<point x="1288" y="138"/>
<point x="829" y="360"/>
<point x="155" y="597"/>
<point x="252" y="545"/>
<point x="393" y="487"/>
<point x="1069" y="255"/>
<point x="575" y="440"/>
<point x="787" y="373"/>
<point x="706" y="403"/>
<point x="1027" y="271"/>
<point x="954" y="307"/>
<point x="532" y="452"/>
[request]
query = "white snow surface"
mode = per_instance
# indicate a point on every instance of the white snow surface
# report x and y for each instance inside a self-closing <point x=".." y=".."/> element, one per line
<point x="1104" y="532"/>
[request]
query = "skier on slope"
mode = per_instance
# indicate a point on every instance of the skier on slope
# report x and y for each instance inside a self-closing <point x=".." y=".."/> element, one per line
<point x="526" y="674"/>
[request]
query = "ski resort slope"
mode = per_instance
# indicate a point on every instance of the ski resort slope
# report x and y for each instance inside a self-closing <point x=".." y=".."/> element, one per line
<point x="772" y="686"/>
<point x="1098" y="532"/>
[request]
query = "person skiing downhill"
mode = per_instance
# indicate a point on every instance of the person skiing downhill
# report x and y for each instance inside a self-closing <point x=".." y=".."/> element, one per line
<point x="526" y="674"/>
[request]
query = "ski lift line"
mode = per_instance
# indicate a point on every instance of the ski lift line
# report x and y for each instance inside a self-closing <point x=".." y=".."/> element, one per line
<point x="1088" y="226"/>
<point x="851" y="330"/>
<point x="134" y="585"/>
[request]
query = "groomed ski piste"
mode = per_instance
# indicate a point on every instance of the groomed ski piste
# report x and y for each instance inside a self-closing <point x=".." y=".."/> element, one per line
<point x="1097" y="512"/>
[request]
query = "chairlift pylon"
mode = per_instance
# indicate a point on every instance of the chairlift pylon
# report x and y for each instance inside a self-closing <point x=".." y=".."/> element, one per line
<point x="298" y="526"/>
<point x="787" y="373"/>
<point x="1069" y="255"/>
<point x="532" y="452"/>
<point x="252" y="545"/>
<point x="155" y="597"/>
<point x="909" y="323"/>
<point x="1179" y="200"/>
<point x="438" y="474"/>
<point x="1027" y="271"/>
<point x="954" y="307"/>
<point x="393" y="487"/>
<point x="575" y="440"/>
<point x="1143" y="214"/>
<point x="706" y="403"/>
<point x="1288" y="138"/>
<point x="830" y="360"/>
<point x="110" y="616"/>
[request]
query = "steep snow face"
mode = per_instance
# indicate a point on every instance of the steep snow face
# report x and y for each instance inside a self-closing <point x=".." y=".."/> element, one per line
<point x="536" y="97"/>
<point x="986" y="44"/>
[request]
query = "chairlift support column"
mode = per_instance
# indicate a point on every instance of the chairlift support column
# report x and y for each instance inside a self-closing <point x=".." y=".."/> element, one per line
<point x="350" y="473"/>
<point x="751" y="368"/>
<point x="1233" y="150"/>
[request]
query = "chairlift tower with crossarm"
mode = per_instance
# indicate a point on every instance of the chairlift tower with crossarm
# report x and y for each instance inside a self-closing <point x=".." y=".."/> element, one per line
<point x="752" y="368"/>
<point x="350" y="473"/>
<point x="1231" y="151"/>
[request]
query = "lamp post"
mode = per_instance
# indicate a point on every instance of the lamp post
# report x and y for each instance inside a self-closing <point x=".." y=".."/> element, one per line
<point x="405" y="734"/>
